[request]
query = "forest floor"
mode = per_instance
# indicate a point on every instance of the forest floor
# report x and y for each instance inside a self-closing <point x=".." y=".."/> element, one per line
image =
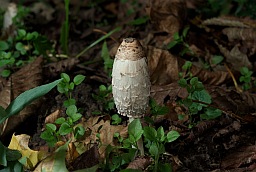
<point x="216" y="124"/>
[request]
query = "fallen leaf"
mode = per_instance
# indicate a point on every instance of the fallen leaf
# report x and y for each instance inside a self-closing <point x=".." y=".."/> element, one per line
<point x="20" y="142"/>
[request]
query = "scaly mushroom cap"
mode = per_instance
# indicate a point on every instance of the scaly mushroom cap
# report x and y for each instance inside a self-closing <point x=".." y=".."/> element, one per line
<point x="130" y="79"/>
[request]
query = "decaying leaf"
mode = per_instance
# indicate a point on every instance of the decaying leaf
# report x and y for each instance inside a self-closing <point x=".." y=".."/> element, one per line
<point x="140" y="163"/>
<point x="54" y="162"/>
<point x="26" y="78"/>
<point x="56" y="68"/>
<point x="235" y="57"/>
<point x="5" y="100"/>
<point x="105" y="131"/>
<point x="167" y="16"/>
<point x="52" y="117"/>
<point x="226" y="21"/>
<point x="240" y="34"/>
<point x="20" y="142"/>
<point x="164" y="68"/>
<point x="244" y="156"/>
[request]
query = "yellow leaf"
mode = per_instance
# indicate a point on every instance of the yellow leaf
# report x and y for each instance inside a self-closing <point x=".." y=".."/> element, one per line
<point x="20" y="142"/>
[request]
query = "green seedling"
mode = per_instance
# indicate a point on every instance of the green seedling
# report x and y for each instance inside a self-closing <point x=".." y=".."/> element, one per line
<point x="22" y="49"/>
<point x="116" y="119"/>
<point x="104" y="97"/>
<point x="108" y="62"/>
<point x="156" y="140"/>
<point x="198" y="99"/>
<point x="66" y="87"/>
<point x="65" y="125"/>
<point x="10" y="159"/>
<point x="52" y="134"/>
<point x="246" y="78"/>
<point x="180" y="40"/>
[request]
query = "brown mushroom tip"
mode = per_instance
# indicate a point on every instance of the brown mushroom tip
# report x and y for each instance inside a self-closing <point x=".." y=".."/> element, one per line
<point x="130" y="49"/>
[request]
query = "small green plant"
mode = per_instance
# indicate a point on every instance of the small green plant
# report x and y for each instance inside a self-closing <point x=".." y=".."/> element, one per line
<point x="104" y="97"/>
<point x="246" y="78"/>
<point x="156" y="140"/>
<point x="108" y="62"/>
<point x="180" y="40"/>
<point x="116" y="119"/>
<point x="198" y="99"/>
<point x="22" y="49"/>
<point x="65" y="125"/>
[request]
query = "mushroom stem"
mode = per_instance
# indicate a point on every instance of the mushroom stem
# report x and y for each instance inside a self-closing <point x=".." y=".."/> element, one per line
<point x="139" y="142"/>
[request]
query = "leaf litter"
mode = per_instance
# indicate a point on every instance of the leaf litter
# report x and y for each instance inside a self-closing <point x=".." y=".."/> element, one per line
<point x="226" y="143"/>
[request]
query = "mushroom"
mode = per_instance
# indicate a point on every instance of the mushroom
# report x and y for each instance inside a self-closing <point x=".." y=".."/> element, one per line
<point x="131" y="82"/>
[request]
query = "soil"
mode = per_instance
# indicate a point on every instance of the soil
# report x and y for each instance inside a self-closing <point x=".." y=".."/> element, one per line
<point x="226" y="143"/>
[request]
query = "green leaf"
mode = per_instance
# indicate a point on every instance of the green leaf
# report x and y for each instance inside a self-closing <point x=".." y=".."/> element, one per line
<point x="135" y="129"/>
<point x="116" y="119"/>
<point x="26" y="98"/>
<point x="78" y="79"/>
<point x="5" y="73"/>
<point x="139" y="21"/>
<point x="59" y="158"/>
<point x="202" y="96"/>
<point x="172" y="44"/>
<point x="21" y="48"/>
<point x="3" y="46"/>
<point x="79" y="131"/>
<point x="153" y="150"/>
<point x="71" y="86"/>
<point x="51" y="127"/>
<point x="176" y="36"/>
<point x="164" y="167"/>
<point x="21" y="33"/>
<point x="217" y="59"/>
<point x="183" y="83"/>
<point x="172" y="136"/>
<point x="102" y="88"/>
<point x="211" y="113"/>
<point x="160" y="134"/>
<point x="71" y="110"/>
<point x="12" y="155"/>
<point x="65" y="129"/>
<point x="60" y="120"/>
<point x="75" y="117"/>
<point x="69" y="102"/>
<point x="185" y="32"/>
<point x="3" y="160"/>
<point x="65" y="77"/>
<point x="150" y="133"/>
<point x="187" y="65"/>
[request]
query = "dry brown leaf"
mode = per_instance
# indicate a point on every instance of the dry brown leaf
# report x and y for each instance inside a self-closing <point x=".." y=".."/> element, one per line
<point x="139" y="163"/>
<point x="52" y="117"/>
<point x="244" y="34"/>
<point x="226" y="21"/>
<point x="243" y="156"/>
<point x="106" y="132"/>
<point x="5" y="100"/>
<point x="235" y="57"/>
<point x="86" y="159"/>
<point x="167" y="16"/>
<point x="28" y="77"/>
<point x="163" y="66"/>
<point x="56" y="68"/>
